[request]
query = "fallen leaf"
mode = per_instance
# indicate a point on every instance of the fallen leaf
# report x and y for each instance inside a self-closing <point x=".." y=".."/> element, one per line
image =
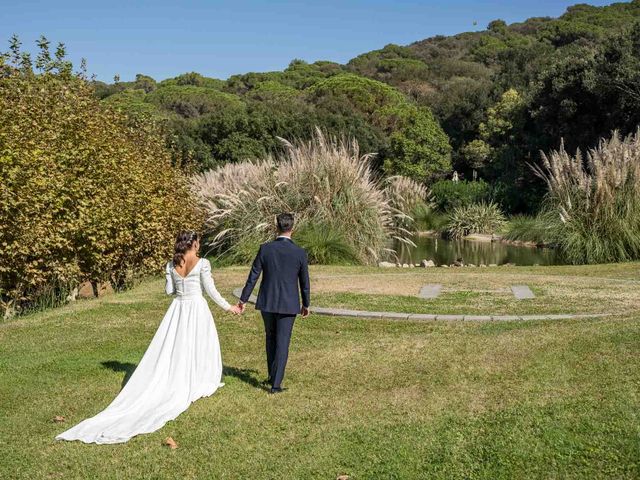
<point x="342" y="477"/>
<point x="58" y="419"/>
<point x="170" y="442"/>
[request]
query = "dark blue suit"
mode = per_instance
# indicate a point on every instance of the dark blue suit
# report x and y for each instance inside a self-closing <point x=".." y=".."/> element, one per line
<point x="284" y="269"/>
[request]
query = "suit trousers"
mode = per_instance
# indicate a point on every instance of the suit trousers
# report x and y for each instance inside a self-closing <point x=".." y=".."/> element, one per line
<point x="277" y="328"/>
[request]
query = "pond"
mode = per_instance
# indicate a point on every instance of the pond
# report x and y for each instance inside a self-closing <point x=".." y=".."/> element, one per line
<point x="443" y="251"/>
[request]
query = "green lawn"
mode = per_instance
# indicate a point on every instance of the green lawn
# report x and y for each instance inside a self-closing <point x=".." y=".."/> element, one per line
<point x="368" y="398"/>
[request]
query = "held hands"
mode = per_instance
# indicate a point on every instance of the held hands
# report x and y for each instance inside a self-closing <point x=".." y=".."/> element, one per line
<point x="237" y="309"/>
<point x="240" y="307"/>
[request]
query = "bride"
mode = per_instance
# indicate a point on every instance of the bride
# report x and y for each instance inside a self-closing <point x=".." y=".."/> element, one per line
<point x="181" y="364"/>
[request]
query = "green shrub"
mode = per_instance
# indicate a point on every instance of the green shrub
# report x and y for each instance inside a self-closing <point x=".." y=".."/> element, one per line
<point x="324" y="182"/>
<point x="475" y="218"/>
<point x="528" y="229"/>
<point x="85" y="193"/>
<point x="593" y="206"/>
<point x="448" y="194"/>
<point x="325" y="245"/>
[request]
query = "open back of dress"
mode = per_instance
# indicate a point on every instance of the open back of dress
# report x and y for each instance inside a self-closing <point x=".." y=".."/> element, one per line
<point x="181" y="364"/>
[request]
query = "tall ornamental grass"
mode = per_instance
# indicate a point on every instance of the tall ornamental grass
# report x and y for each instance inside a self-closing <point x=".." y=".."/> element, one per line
<point x="344" y="213"/>
<point x="592" y="204"/>
<point x="528" y="228"/>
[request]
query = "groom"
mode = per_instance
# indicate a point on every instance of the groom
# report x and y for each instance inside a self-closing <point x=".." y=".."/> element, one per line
<point x="284" y="266"/>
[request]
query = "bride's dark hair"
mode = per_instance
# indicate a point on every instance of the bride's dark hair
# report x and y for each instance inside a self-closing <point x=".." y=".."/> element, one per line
<point x="184" y="241"/>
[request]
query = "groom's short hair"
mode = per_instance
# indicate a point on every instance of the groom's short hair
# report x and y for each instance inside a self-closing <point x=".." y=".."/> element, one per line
<point x="285" y="222"/>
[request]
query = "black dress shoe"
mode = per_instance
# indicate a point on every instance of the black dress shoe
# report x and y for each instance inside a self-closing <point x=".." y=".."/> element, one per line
<point x="274" y="390"/>
<point x="266" y="382"/>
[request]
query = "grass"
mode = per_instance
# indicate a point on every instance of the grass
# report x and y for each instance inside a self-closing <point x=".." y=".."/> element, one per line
<point x="528" y="229"/>
<point x="324" y="181"/>
<point x="592" y="205"/>
<point x="367" y="398"/>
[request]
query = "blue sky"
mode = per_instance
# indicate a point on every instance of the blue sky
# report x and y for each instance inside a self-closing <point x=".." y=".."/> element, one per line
<point x="219" y="38"/>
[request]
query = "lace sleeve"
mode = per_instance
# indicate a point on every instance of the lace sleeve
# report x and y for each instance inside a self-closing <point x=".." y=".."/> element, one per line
<point x="209" y="286"/>
<point x="169" y="288"/>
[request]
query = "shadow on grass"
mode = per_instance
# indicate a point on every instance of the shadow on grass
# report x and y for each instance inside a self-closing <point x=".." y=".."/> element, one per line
<point x="117" y="366"/>
<point x="247" y="375"/>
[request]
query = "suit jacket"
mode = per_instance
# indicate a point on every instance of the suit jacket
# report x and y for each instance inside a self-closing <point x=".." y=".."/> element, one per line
<point x="284" y="267"/>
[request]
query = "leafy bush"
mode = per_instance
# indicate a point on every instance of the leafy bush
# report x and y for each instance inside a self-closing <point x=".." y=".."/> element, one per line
<point x="85" y="194"/>
<point x="325" y="182"/>
<point x="593" y="205"/>
<point x="448" y="194"/>
<point x="475" y="218"/>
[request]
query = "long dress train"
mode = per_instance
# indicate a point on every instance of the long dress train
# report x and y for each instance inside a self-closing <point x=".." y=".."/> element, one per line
<point x="181" y="364"/>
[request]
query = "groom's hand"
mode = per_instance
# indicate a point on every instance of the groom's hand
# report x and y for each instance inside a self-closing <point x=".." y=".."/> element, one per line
<point x="241" y="306"/>
<point x="304" y="311"/>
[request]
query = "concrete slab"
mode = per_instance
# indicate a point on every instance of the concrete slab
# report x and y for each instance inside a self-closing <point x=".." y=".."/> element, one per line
<point x="522" y="292"/>
<point x="430" y="291"/>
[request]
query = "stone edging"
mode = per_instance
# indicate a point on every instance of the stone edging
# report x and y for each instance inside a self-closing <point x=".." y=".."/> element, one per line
<point x="338" y="312"/>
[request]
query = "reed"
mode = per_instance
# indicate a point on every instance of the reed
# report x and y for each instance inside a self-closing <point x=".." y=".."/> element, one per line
<point x="592" y="204"/>
<point x="528" y="228"/>
<point x="323" y="181"/>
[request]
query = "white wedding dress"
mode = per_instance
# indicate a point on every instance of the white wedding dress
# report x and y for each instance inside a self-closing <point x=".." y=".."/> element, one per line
<point x="182" y="363"/>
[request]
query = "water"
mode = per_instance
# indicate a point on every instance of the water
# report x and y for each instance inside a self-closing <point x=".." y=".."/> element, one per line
<point x="446" y="252"/>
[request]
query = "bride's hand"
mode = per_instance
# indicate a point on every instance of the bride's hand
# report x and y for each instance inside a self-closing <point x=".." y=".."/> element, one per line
<point x="235" y="309"/>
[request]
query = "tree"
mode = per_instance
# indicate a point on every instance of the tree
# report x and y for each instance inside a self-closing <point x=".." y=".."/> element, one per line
<point x="87" y="193"/>
<point x="418" y="147"/>
<point x="144" y="82"/>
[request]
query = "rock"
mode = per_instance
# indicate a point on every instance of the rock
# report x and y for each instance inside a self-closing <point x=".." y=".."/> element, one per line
<point x="427" y="263"/>
<point x="405" y="265"/>
<point x="72" y="295"/>
<point x="482" y="265"/>
<point x="470" y="265"/>
<point x="386" y="265"/>
<point x="457" y="263"/>
<point x="479" y="237"/>
<point x="414" y="265"/>
<point x="444" y="266"/>
<point x="493" y="264"/>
